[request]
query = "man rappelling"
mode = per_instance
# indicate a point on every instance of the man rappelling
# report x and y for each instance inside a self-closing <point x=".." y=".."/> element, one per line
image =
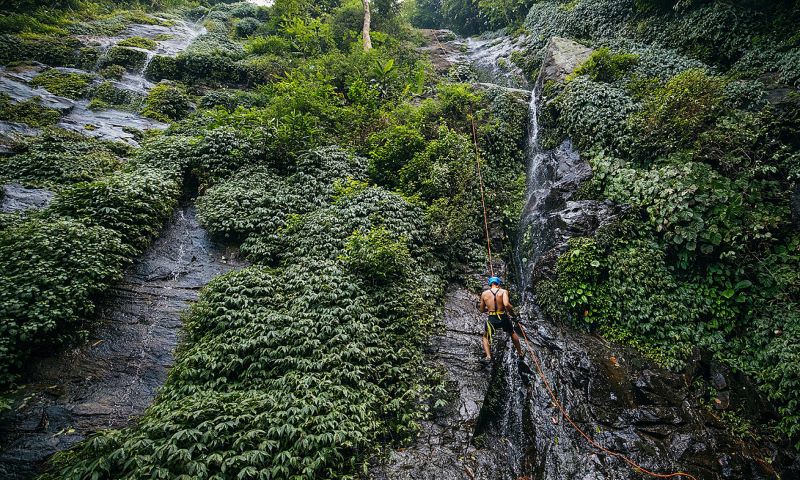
<point x="495" y="302"/>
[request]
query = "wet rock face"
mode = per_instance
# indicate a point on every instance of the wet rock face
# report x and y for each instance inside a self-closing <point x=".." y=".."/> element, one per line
<point x="561" y="57"/>
<point x="17" y="198"/>
<point x="443" y="449"/>
<point x="625" y="404"/>
<point x="116" y="374"/>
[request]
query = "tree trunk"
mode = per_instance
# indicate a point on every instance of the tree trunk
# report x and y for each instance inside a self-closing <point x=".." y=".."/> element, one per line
<point x="365" y="31"/>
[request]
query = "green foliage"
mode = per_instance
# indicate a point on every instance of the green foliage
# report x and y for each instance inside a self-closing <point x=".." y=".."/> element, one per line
<point x="55" y="50"/>
<point x="504" y="13"/>
<point x="672" y="115"/>
<point x="135" y="204"/>
<point x="427" y="14"/>
<point x="112" y="71"/>
<point x="58" y="158"/>
<point x="70" y="85"/>
<point x="131" y="59"/>
<point x="50" y="272"/>
<point x="376" y="255"/>
<point x="603" y="65"/>
<point x="106" y="94"/>
<point x="138" y="42"/>
<point x="167" y="102"/>
<point x="30" y="112"/>
<point x="592" y="114"/>
<point x="462" y="16"/>
<point x="391" y="149"/>
<point x="692" y="206"/>
<point x="271" y="44"/>
<point x="708" y="162"/>
<point x="247" y="26"/>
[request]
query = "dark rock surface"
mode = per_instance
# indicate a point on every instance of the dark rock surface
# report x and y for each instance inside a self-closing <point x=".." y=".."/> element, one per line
<point x="116" y="374"/>
<point x="443" y="449"/>
<point x="17" y="198"/>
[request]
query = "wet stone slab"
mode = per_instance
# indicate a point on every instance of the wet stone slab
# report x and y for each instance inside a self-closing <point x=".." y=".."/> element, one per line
<point x="17" y="198"/>
<point x="116" y="375"/>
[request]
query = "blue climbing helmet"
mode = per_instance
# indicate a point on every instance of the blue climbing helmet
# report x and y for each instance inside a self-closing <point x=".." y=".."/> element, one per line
<point x="493" y="280"/>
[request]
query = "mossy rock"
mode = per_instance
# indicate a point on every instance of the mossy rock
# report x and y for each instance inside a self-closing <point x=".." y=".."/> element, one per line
<point x="30" y="112"/>
<point x="137" y="42"/>
<point x="130" y="58"/>
<point x="70" y="85"/>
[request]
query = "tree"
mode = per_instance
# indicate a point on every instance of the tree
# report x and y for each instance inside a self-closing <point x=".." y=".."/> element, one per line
<point x="365" y="31"/>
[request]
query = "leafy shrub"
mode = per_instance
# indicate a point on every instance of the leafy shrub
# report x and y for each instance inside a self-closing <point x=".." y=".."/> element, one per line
<point x="59" y="157"/>
<point x="691" y="205"/>
<point x="161" y="67"/>
<point x="260" y="201"/>
<point x="131" y="59"/>
<point x="167" y="102"/>
<point x="247" y="26"/>
<point x="271" y="44"/>
<point x="56" y="51"/>
<point x="30" y="112"/>
<point x="376" y="255"/>
<point x="71" y="85"/>
<point x="135" y="204"/>
<point x="593" y="114"/>
<point x="672" y="115"/>
<point x="361" y="383"/>
<point x="138" y="42"/>
<point x="112" y="71"/>
<point x="40" y="310"/>
<point x="308" y="36"/>
<point x="391" y="149"/>
<point x="605" y="66"/>
<point x="108" y="94"/>
<point x="444" y="167"/>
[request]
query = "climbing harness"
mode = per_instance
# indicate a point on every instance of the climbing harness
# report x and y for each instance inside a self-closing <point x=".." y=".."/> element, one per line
<point x="536" y="361"/>
<point x="489" y="327"/>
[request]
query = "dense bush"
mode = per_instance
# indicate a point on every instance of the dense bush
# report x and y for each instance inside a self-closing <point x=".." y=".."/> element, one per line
<point x="106" y="95"/>
<point x="57" y="51"/>
<point x="603" y="65"/>
<point x="129" y="58"/>
<point x="58" y="158"/>
<point x="338" y="263"/>
<point x="30" y="112"/>
<point x="51" y="271"/>
<point x="135" y="204"/>
<point x="319" y="411"/>
<point x="138" y="42"/>
<point x="167" y="102"/>
<point x="71" y="85"/>
<point x="708" y="165"/>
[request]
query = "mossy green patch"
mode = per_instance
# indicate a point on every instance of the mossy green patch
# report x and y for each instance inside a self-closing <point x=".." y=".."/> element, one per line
<point x="70" y="85"/>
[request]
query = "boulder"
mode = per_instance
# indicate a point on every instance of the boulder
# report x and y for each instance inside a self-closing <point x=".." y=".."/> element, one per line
<point x="561" y="57"/>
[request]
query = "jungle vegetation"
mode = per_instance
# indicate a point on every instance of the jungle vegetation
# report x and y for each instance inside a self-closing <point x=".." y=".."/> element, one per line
<point x="689" y="113"/>
<point x="347" y="178"/>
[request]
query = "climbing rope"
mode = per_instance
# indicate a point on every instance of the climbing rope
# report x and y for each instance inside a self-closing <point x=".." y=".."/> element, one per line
<point x="483" y="198"/>
<point x="538" y="364"/>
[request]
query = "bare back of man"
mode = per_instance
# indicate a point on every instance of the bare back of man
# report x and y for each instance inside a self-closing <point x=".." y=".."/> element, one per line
<point x="495" y="302"/>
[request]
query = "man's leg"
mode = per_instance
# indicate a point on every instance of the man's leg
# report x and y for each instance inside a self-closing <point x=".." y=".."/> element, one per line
<point x="515" y="339"/>
<point x="486" y="349"/>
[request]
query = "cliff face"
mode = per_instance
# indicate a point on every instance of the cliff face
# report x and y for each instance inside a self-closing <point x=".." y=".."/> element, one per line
<point x="662" y="419"/>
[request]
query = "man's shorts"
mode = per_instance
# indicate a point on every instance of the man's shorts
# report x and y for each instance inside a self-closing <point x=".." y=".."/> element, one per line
<point x="502" y="322"/>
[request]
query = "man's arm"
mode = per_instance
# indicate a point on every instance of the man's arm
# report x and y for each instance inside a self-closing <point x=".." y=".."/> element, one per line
<point x="482" y="305"/>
